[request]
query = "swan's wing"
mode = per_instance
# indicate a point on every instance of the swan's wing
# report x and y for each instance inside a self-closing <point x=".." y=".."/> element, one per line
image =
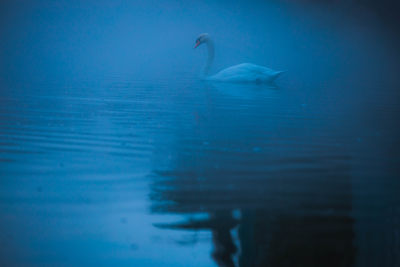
<point x="245" y="72"/>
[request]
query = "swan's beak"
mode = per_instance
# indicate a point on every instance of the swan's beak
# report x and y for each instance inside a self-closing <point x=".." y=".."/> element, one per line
<point x="197" y="44"/>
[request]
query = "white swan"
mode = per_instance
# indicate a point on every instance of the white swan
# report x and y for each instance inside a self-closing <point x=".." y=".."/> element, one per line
<point x="245" y="72"/>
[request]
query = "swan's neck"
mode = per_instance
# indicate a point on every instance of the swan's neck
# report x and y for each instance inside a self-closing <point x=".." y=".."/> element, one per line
<point x="210" y="57"/>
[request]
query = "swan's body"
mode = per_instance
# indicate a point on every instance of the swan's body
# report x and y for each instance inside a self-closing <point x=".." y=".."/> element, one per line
<point x="242" y="73"/>
<point x="246" y="73"/>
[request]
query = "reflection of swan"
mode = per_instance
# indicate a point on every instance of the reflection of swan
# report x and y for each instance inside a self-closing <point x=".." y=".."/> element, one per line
<point x="245" y="91"/>
<point x="245" y="72"/>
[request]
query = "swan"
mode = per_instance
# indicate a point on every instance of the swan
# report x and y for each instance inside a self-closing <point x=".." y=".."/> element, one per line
<point x="245" y="72"/>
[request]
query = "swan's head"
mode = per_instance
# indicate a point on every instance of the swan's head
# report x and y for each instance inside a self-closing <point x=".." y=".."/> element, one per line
<point x="203" y="38"/>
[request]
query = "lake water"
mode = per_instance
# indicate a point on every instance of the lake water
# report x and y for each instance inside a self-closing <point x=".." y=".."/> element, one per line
<point x="169" y="170"/>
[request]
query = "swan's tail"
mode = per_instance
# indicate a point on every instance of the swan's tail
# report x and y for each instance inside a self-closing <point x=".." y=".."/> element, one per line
<point x="277" y="74"/>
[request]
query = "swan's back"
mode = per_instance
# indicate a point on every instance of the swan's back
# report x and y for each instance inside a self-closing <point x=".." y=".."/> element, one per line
<point x="246" y="72"/>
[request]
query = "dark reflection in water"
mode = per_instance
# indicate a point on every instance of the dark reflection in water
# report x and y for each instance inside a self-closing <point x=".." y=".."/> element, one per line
<point x="285" y="186"/>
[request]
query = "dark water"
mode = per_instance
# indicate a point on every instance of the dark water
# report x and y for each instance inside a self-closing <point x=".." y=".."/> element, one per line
<point x="167" y="170"/>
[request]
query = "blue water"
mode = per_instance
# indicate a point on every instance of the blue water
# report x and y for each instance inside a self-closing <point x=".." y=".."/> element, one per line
<point x="104" y="162"/>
